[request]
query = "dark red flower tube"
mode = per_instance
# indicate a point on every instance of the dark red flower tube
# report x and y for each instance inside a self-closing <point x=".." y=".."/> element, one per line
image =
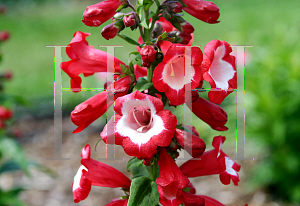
<point x="170" y="182"/>
<point x="93" y="108"/>
<point x="195" y="146"/>
<point x="210" y="113"/>
<point x="204" y="10"/>
<point x="110" y="31"/>
<point x="148" y="54"/>
<point x="97" y="14"/>
<point x="187" y="28"/>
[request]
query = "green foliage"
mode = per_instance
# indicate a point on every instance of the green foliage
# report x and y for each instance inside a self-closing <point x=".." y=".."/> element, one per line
<point x="143" y="191"/>
<point x="137" y="168"/>
<point x="275" y="117"/>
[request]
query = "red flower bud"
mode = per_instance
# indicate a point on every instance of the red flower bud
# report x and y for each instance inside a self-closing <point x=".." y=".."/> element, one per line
<point x="8" y="75"/>
<point x="4" y="35"/>
<point x="176" y="7"/>
<point x="97" y="14"/>
<point x="148" y="54"/>
<point x="204" y="10"/>
<point x="129" y="20"/>
<point x="5" y="113"/>
<point x="187" y="28"/>
<point x="195" y="145"/>
<point x="210" y="113"/>
<point x="184" y="38"/>
<point x="110" y="31"/>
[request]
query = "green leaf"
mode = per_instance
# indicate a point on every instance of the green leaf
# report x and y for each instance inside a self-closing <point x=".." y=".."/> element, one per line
<point x="140" y="83"/>
<point x="143" y="191"/>
<point x="141" y="2"/>
<point x="147" y="7"/>
<point x="144" y="24"/>
<point x="11" y="149"/>
<point x="128" y="39"/>
<point x="137" y="168"/>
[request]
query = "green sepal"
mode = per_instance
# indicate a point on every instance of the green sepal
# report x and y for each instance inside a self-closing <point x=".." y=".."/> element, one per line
<point x="123" y="6"/>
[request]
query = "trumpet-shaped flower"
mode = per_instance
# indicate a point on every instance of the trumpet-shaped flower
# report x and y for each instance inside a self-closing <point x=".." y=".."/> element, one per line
<point x="85" y="60"/>
<point x="140" y="125"/>
<point x="171" y="75"/>
<point x="213" y="162"/>
<point x="170" y="182"/>
<point x="92" y="172"/>
<point x="219" y="69"/>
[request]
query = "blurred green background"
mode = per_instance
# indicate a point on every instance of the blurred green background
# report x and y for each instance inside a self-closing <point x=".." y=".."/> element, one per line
<point x="272" y="73"/>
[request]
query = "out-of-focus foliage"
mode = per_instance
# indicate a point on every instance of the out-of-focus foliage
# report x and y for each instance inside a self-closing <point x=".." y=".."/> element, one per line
<point x="274" y="120"/>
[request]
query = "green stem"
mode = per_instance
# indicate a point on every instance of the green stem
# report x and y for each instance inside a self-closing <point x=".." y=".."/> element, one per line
<point x="150" y="73"/>
<point x="156" y="14"/>
<point x="147" y="31"/>
<point x="154" y="169"/>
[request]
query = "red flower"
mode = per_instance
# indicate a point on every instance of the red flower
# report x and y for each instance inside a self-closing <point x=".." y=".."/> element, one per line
<point x="140" y="125"/>
<point x="5" y="113"/>
<point x="209" y="112"/>
<point x="93" y="108"/>
<point x="85" y="59"/>
<point x="110" y="31"/>
<point x="219" y="69"/>
<point x="190" y="199"/>
<point x="4" y="35"/>
<point x="170" y="182"/>
<point x="171" y="76"/>
<point x="148" y="54"/>
<point x="213" y="162"/>
<point x="117" y="202"/>
<point x="92" y="172"/>
<point x="195" y="145"/>
<point x="97" y="14"/>
<point x="204" y="10"/>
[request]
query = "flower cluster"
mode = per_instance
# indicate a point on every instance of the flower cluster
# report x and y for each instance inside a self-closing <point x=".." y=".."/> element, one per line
<point x="157" y="77"/>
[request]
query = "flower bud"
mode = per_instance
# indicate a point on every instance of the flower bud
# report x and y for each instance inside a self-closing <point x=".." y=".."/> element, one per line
<point x="210" y="113"/>
<point x="183" y="38"/>
<point x="5" y="113"/>
<point x="97" y="14"/>
<point x="129" y="20"/>
<point x="4" y="35"/>
<point x="111" y="30"/>
<point x="148" y="54"/>
<point x="204" y="10"/>
<point x="157" y="30"/>
<point x="187" y="28"/>
<point x="175" y="7"/>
